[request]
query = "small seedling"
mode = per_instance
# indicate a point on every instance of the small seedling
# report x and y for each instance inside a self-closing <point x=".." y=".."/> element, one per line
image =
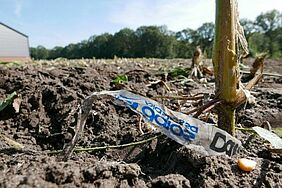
<point x="7" y="101"/>
<point x="179" y="72"/>
<point x="120" y="79"/>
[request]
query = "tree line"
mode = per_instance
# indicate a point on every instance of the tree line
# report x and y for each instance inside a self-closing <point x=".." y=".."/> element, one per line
<point x="263" y="35"/>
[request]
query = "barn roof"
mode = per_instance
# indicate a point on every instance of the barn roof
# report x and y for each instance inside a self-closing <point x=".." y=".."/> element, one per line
<point x="14" y="29"/>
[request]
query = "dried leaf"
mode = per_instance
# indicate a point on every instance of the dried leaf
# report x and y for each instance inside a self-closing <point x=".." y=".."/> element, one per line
<point x="11" y="143"/>
<point x="240" y="34"/>
<point x="274" y="139"/>
<point x="258" y="64"/>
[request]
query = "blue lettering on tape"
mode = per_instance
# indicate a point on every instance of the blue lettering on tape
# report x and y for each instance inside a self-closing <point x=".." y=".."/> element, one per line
<point x="129" y="101"/>
<point x="157" y="116"/>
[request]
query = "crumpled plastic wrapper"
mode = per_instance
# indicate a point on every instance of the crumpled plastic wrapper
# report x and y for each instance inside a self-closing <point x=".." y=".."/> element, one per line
<point x="186" y="130"/>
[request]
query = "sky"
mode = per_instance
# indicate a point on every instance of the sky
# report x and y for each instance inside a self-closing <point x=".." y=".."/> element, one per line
<point x="60" y="22"/>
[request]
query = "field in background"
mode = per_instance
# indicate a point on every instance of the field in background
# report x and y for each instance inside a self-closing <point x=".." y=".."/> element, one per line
<point x="51" y="91"/>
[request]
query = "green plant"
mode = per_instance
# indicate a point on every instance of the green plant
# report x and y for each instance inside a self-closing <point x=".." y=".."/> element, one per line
<point x="120" y="79"/>
<point x="7" y="101"/>
<point x="179" y="72"/>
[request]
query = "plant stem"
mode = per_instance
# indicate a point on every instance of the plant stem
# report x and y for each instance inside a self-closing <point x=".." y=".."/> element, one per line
<point x="116" y="146"/>
<point x="226" y="118"/>
<point x="178" y="97"/>
<point x="110" y="147"/>
<point x="225" y="62"/>
<point x="264" y="73"/>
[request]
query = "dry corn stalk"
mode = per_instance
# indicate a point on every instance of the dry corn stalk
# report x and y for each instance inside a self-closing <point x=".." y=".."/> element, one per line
<point x="196" y="63"/>
<point x="197" y="57"/>
<point x="229" y="39"/>
<point x="258" y="63"/>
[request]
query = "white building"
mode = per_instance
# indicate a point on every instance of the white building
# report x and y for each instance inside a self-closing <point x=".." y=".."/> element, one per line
<point x="14" y="45"/>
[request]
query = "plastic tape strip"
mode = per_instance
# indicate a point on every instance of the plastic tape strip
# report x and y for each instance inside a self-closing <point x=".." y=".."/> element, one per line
<point x="184" y="129"/>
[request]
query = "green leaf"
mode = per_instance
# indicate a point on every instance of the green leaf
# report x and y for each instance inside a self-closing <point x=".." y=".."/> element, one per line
<point x="278" y="132"/>
<point x="120" y="79"/>
<point x="7" y="101"/>
<point x="179" y="71"/>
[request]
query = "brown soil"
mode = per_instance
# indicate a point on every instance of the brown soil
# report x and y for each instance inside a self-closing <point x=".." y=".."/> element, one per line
<point x="50" y="94"/>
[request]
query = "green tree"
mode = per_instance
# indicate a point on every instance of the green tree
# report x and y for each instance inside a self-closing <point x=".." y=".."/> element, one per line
<point x="258" y="43"/>
<point x="263" y="35"/>
<point x="153" y="41"/>
<point x="55" y="52"/>
<point x="248" y="26"/>
<point x="277" y="43"/>
<point x="183" y="49"/>
<point x="123" y="43"/>
<point x="188" y="35"/>
<point x="40" y="52"/>
<point x="99" y="46"/>
<point x="206" y="36"/>
<point x="187" y="39"/>
<point x="71" y="51"/>
<point x="268" y="23"/>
